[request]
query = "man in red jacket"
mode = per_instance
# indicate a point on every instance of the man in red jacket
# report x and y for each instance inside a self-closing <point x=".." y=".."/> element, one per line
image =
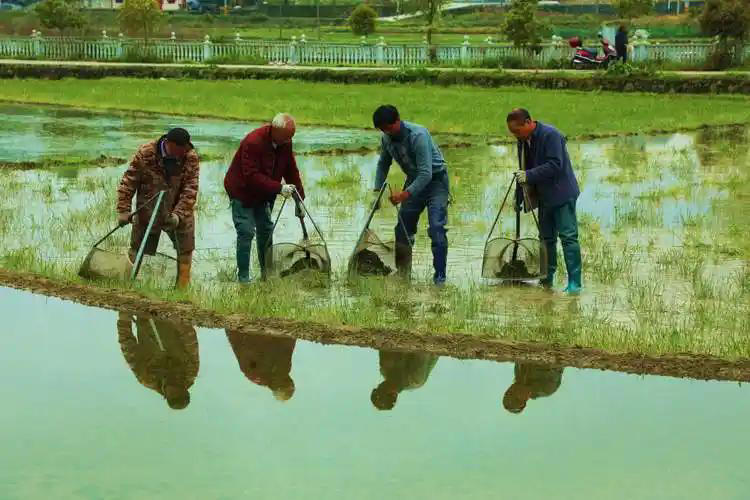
<point x="264" y="158"/>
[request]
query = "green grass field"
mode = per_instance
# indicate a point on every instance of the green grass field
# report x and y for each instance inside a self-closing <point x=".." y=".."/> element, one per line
<point x="459" y="110"/>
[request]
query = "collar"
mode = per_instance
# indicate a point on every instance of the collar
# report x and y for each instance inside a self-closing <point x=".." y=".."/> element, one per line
<point x="402" y="133"/>
<point x="537" y="130"/>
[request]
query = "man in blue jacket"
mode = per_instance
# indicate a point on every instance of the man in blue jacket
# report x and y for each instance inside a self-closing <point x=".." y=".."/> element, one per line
<point x="545" y="166"/>
<point x="426" y="186"/>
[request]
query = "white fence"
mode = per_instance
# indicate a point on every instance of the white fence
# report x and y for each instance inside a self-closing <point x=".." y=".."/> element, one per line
<point x="315" y="53"/>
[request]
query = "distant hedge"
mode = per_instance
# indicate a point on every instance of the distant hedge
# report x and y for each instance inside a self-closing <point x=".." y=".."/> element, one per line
<point x="659" y="83"/>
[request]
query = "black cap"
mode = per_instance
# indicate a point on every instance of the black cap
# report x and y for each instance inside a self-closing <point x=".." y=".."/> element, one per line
<point x="179" y="136"/>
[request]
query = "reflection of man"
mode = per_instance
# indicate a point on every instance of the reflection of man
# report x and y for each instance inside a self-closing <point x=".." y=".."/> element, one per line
<point x="162" y="354"/>
<point x="532" y="381"/>
<point x="265" y="360"/>
<point x="401" y="371"/>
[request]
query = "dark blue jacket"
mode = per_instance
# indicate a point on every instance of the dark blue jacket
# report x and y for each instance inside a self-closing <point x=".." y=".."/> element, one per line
<point x="548" y="168"/>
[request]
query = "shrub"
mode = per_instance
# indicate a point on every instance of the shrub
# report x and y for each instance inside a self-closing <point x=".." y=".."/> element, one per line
<point x="522" y="26"/>
<point x="362" y="20"/>
<point x="60" y="15"/>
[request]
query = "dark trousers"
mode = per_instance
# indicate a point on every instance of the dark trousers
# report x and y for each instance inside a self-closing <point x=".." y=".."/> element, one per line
<point x="561" y="222"/>
<point x="247" y="222"/>
<point x="434" y="198"/>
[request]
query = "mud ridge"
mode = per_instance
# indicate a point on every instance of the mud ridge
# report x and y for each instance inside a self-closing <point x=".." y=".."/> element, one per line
<point x="460" y="346"/>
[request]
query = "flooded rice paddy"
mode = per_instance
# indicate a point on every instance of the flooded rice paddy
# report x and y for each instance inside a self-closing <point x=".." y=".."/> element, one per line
<point x="90" y="400"/>
<point x="662" y="225"/>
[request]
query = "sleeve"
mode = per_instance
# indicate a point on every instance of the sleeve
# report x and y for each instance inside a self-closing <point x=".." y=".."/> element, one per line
<point x="423" y="153"/>
<point x="384" y="166"/>
<point x="552" y="165"/>
<point x="189" y="189"/>
<point x="129" y="183"/>
<point x="252" y="173"/>
<point x="291" y="176"/>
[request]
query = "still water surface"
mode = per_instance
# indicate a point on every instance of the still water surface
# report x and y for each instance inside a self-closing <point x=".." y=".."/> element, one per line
<point x="84" y="417"/>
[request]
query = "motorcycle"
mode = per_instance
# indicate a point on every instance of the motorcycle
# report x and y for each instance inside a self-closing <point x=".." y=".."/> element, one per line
<point x="590" y="58"/>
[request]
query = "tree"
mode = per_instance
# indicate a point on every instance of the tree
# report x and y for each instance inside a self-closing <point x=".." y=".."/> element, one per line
<point x="521" y="25"/>
<point x="61" y="15"/>
<point x="431" y="11"/>
<point x="729" y="20"/>
<point x="362" y="20"/>
<point x="140" y="16"/>
<point x="631" y="9"/>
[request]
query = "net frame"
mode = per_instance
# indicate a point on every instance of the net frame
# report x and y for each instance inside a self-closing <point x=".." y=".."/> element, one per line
<point x="492" y="257"/>
<point x="319" y="250"/>
<point x="368" y="239"/>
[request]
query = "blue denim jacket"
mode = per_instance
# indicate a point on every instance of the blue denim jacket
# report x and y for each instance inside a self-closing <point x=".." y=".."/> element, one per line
<point x="417" y="155"/>
<point x="549" y="169"/>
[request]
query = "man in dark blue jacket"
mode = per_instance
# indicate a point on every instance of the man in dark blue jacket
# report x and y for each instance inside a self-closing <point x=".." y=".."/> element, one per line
<point x="545" y="166"/>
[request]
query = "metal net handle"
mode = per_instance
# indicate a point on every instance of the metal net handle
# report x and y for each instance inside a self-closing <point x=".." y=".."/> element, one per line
<point x="307" y="213"/>
<point x="527" y="200"/>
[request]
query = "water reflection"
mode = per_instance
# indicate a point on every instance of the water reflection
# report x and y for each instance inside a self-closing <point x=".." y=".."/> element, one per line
<point x="162" y="354"/>
<point x="531" y="381"/>
<point x="401" y="371"/>
<point x="265" y="360"/>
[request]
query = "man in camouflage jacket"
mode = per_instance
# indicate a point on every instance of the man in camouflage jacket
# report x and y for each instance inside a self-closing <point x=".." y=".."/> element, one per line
<point x="170" y="164"/>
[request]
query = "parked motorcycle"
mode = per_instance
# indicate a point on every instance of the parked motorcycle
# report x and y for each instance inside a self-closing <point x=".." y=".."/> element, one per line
<point x="590" y="58"/>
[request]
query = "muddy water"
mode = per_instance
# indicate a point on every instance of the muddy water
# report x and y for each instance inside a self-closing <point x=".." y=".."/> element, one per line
<point x="660" y="221"/>
<point x="615" y="174"/>
<point x="84" y="417"/>
<point x="28" y="133"/>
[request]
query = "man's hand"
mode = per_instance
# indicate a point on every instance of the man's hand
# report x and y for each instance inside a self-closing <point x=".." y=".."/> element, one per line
<point x="376" y="199"/>
<point x="172" y="222"/>
<point x="123" y="219"/>
<point x="287" y="190"/>
<point x="399" y="197"/>
<point x="521" y="176"/>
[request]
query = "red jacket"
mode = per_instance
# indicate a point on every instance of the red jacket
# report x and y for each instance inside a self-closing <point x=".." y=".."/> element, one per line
<point x="257" y="169"/>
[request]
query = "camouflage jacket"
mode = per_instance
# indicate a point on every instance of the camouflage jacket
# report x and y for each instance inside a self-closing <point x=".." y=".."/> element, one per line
<point x="146" y="176"/>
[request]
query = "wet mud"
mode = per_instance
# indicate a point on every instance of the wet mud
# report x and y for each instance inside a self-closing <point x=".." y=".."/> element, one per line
<point x="455" y="345"/>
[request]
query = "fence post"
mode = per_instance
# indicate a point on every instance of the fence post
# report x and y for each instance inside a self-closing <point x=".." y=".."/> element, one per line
<point x="558" y="48"/>
<point x="380" y="51"/>
<point x="425" y="50"/>
<point x="37" y="35"/>
<point x="640" y="45"/>
<point x="119" y="50"/>
<point x="465" y="50"/>
<point x="207" y="49"/>
<point x="293" y="52"/>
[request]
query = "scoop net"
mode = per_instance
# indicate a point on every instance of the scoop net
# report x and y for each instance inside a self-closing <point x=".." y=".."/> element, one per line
<point x="372" y="256"/>
<point x="310" y="254"/>
<point x="508" y="256"/>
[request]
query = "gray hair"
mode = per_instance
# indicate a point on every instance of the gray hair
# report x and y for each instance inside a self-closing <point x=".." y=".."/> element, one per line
<point x="283" y="120"/>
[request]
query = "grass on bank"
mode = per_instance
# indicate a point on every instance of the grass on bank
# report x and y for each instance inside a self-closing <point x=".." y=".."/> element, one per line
<point x="456" y="109"/>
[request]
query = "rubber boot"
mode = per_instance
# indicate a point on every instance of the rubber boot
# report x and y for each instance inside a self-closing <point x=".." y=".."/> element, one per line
<point x="184" y="264"/>
<point x="573" y="265"/>
<point x="549" y="281"/>
<point x="403" y="260"/>
<point x="439" y="262"/>
<point x="551" y="257"/>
